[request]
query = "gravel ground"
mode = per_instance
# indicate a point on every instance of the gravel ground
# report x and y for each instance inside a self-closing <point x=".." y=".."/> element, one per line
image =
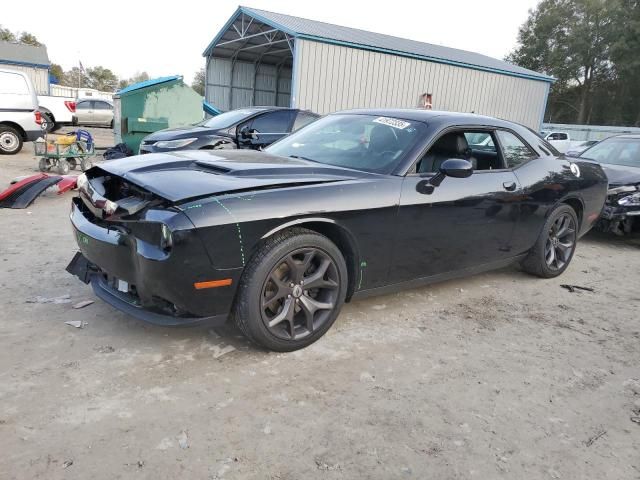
<point x="500" y="375"/>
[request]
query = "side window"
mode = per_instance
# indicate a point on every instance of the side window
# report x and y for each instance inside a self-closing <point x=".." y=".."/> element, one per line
<point x="562" y="136"/>
<point x="12" y="83"/>
<point x="273" y="122"/>
<point x="102" y="106"/>
<point x="513" y="150"/>
<point x="86" y="105"/>
<point x="475" y="146"/>
<point x="302" y="120"/>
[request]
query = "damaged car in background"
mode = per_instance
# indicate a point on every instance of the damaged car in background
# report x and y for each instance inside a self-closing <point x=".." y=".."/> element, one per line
<point x="620" y="159"/>
<point x="252" y="127"/>
<point x="358" y="203"/>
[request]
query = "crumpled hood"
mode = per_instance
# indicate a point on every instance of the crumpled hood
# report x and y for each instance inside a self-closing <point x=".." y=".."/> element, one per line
<point x="619" y="175"/>
<point x="182" y="175"/>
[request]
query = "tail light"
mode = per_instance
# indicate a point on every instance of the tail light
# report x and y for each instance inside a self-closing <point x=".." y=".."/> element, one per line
<point x="71" y="106"/>
<point x="38" y="117"/>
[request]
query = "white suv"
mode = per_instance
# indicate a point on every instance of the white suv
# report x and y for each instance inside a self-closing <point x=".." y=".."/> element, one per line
<point x="20" y="119"/>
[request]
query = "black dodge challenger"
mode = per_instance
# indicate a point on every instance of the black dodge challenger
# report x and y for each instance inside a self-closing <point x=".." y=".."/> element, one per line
<point x="357" y="203"/>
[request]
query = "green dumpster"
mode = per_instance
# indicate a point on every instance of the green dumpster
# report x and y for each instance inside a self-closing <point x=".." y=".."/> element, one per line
<point x="149" y="106"/>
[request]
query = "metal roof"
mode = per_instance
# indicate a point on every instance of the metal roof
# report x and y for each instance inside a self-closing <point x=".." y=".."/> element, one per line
<point x="19" y="54"/>
<point x="352" y="37"/>
<point x="148" y="83"/>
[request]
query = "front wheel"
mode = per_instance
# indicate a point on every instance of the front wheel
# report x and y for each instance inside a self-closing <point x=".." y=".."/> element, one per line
<point x="292" y="290"/>
<point x="555" y="245"/>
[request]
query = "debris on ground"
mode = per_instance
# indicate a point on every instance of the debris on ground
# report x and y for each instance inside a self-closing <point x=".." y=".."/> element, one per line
<point x="76" y="323"/>
<point x="67" y="463"/>
<point x="105" y="349"/>
<point x="595" y="437"/>
<point x="573" y="288"/>
<point x="82" y="304"/>
<point x="323" y="465"/>
<point x="183" y="440"/>
<point x="55" y="300"/>
<point x="635" y="420"/>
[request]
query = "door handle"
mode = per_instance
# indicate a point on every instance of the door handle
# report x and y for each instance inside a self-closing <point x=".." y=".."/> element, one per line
<point x="509" y="186"/>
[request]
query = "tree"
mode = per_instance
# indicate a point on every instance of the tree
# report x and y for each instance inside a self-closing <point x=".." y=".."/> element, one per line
<point x="137" y="78"/>
<point x="27" y="38"/>
<point x="75" y="78"/>
<point x="101" y="78"/>
<point x="56" y="71"/>
<point x="6" y="35"/>
<point x="569" y="40"/>
<point x="198" y="81"/>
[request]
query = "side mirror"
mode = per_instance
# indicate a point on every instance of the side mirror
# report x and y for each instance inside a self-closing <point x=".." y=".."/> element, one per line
<point x="247" y="133"/>
<point x="456" y="168"/>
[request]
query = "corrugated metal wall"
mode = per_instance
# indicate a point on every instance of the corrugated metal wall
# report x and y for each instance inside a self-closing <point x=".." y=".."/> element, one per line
<point x="228" y="93"/>
<point x="331" y="77"/>
<point x="39" y="76"/>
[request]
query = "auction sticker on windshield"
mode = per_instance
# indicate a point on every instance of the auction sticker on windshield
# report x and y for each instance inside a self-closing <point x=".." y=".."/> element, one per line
<point x="392" y="122"/>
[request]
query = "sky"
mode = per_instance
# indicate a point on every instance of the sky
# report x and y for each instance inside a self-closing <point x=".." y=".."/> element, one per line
<point x="168" y="38"/>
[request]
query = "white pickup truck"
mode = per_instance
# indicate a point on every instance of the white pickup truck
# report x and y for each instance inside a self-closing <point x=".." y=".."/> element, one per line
<point x="57" y="111"/>
<point x="560" y="140"/>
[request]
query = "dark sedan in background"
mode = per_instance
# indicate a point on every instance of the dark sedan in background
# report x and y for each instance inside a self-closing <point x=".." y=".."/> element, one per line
<point x="252" y="127"/>
<point x="357" y="203"/>
<point x="620" y="159"/>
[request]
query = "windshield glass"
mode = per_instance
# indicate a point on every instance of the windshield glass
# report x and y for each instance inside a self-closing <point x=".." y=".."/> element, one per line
<point x="363" y="142"/>
<point x="226" y="119"/>
<point x="615" y="151"/>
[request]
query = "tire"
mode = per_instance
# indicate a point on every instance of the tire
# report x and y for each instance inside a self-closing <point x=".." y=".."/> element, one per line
<point x="307" y="314"/>
<point x="10" y="140"/>
<point x="63" y="166"/>
<point x="73" y="163"/>
<point x="554" y="248"/>
<point x="48" y="118"/>
<point x="43" y="165"/>
<point x="85" y="164"/>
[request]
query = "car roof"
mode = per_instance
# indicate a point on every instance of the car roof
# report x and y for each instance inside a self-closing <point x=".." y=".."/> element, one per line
<point x="420" y="115"/>
<point x="634" y="136"/>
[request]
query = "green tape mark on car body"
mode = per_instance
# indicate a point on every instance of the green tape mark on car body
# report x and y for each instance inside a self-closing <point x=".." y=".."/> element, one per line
<point x="237" y="226"/>
<point x="363" y="265"/>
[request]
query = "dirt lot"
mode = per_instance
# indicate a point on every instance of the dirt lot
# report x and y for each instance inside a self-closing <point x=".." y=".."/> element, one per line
<point x="496" y="376"/>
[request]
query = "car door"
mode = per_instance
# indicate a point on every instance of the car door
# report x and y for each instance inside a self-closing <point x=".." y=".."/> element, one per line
<point x="462" y="222"/>
<point x="263" y="130"/>
<point x="103" y="112"/>
<point x="84" y="112"/>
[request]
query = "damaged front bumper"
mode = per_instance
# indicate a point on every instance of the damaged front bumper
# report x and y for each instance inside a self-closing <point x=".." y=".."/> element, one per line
<point x="621" y="210"/>
<point x="126" y="302"/>
<point x="137" y="277"/>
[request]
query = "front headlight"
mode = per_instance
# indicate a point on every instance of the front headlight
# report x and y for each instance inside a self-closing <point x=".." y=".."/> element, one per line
<point x="183" y="142"/>
<point x="630" y="200"/>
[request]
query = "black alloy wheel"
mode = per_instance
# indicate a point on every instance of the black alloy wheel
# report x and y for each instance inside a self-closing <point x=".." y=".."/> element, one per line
<point x="300" y="293"/>
<point x="561" y="241"/>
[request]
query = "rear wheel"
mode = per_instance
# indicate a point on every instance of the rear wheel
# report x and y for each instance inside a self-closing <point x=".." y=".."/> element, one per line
<point x="292" y="290"/>
<point x="44" y="165"/>
<point x="556" y="244"/>
<point x="10" y="140"/>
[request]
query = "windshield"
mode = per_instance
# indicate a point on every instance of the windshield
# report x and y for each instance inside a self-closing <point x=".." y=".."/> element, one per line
<point x="615" y="151"/>
<point x="363" y="142"/>
<point x="227" y="119"/>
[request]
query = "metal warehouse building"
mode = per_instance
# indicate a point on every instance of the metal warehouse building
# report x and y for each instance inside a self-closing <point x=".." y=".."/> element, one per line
<point x="265" y="58"/>
<point x="31" y="60"/>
